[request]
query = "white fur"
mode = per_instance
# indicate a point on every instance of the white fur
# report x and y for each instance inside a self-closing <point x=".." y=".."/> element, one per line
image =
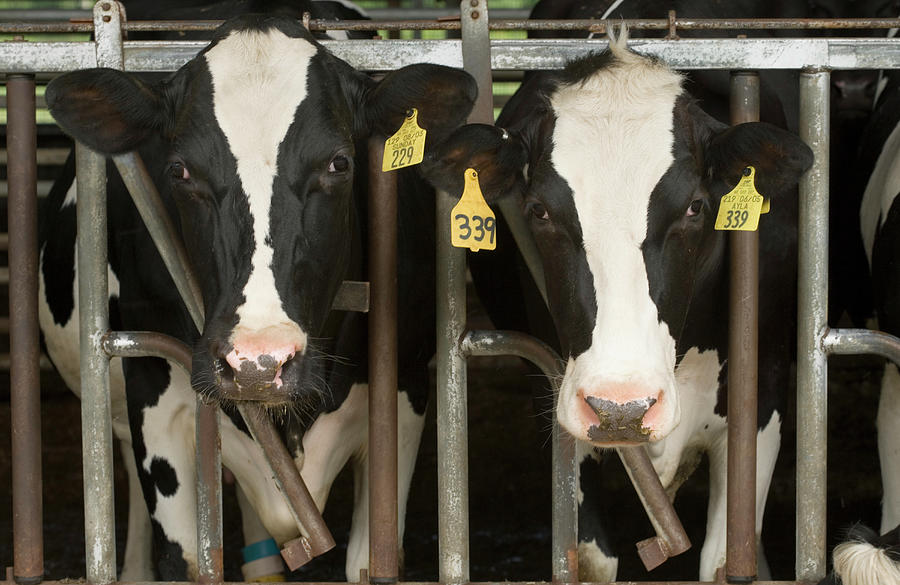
<point x="882" y="188"/>
<point x="611" y="144"/>
<point x="593" y="564"/>
<point x="888" y="422"/>
<point x="860" y="563"/>
<point x="259" y="80"/>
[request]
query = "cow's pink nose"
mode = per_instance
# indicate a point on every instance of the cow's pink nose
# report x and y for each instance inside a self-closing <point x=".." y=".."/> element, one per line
<point x="621" y="415"/>
<point x="256" y="367"/>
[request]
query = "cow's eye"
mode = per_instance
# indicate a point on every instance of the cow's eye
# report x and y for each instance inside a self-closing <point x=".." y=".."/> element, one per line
<point x="178" y="171"/>
<point x="694" y="208"/>
<point x="339" y="164"/>
<point x="538" y="211"/>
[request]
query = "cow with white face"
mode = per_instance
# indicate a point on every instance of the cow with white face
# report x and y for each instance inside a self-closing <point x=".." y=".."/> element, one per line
<point x="620" y="174"/>
<point x="258" y="148"/>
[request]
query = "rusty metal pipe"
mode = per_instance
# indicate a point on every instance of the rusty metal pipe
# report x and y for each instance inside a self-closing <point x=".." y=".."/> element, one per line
<point x="743" y="374"/>
<point x="316" y="539"/>
<point x="671" y="539"/>
<point x="25" y="381"/>
<point x="383" y="509"/>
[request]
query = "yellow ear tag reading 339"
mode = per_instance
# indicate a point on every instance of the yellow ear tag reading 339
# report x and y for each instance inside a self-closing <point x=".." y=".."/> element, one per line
<point x="472" y="223"/>
<point x="739" y="210"/>
<point x="406" y="147"/>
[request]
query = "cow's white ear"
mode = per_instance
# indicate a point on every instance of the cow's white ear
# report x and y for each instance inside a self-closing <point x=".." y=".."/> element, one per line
<point x="780" y="157"/>
<point x="443" y="96"/>
<point x="107" y="110"/>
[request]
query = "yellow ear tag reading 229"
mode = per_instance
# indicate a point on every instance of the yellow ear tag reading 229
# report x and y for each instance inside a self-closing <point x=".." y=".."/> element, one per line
<point x="406" y="147"/>
<point x="472" y="223"/>
<point x="739" y="210"/>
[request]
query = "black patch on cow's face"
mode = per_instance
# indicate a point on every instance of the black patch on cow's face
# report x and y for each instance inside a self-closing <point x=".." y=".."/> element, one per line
<point x="550" y="211"/>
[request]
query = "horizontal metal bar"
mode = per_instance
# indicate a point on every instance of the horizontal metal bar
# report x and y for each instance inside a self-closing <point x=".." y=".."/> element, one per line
<point x="532" y="54"/>
<point x="388" y="21"/>
<point x="470" y="583"/>
<point x="43" y="188"/>
<point x="862" y="341"/>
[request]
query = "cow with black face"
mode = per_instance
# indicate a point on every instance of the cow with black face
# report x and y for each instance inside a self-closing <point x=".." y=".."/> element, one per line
<point x="620" y="174"/>
<point x="257" y="146"/>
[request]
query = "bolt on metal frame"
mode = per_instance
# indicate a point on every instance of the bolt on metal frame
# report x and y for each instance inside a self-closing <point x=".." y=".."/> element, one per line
<point x="816" y="57"/>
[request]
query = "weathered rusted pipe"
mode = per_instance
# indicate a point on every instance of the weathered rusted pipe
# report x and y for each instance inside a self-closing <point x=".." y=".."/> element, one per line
<point x="383" y="509"/>
<point x="671" y="539"/>
<point x="743" y="373"/>
<point x="317" y="539"/>
<point x="25" y="382"/>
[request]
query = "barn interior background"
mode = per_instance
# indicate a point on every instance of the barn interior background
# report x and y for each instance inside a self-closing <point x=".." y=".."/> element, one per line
<point x="509" y="443"/>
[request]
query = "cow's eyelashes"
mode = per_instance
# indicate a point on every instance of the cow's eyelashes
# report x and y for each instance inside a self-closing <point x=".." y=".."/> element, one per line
<point x="694" y="208"/>
<point x="178" y="171"/>
<point x="538" y="211"/>
<point x="339" y="164"/>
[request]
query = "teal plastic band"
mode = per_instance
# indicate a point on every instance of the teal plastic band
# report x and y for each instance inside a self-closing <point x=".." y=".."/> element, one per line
<point x="259" y="550"/>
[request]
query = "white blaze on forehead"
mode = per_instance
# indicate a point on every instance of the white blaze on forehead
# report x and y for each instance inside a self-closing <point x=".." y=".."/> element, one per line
<point x="612" y="143"/>
<point x="259" y="79"/>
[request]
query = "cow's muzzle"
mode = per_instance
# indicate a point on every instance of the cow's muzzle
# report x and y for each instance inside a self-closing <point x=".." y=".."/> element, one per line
<point x="257" y="378"/>
<point x="619" y="423"/>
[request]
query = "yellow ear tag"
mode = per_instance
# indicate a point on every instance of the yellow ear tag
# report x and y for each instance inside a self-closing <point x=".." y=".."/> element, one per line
<point x="406" y="147"/>
<point x="739" y="210"/>
<point x="472" y="223"/>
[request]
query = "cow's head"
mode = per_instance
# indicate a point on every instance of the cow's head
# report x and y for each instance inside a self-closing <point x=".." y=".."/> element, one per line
<point x="620" y="174"/>
<point x="261" y="144"/>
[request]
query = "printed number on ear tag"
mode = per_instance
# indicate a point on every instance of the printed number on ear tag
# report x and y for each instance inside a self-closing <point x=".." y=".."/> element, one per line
<point x="406" y="147"/>
<point x="739" y="210"/>
<point x="472" y="223"/>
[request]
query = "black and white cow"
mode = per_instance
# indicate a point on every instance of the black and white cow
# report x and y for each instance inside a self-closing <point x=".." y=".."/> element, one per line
<point x="619" y="173"/>
<point x="257" y="146"/>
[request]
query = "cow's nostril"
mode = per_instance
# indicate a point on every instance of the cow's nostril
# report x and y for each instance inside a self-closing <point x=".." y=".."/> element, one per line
<point x="619" y="422"/>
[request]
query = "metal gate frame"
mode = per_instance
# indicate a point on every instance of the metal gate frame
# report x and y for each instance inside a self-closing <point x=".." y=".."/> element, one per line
<point x="815" y="58"/>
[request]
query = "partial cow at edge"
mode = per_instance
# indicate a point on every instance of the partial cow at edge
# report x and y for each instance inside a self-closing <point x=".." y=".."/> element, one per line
<point x="619" y="173"/>
<point x="258" y="148"/>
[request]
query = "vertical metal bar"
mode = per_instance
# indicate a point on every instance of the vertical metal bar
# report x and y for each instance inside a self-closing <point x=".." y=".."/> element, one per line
<point x="476" y="53"/>
<point x="93" y="304"/>
<point x="25" y="382"/>
<point x="210" y="563"/>
<point x="162" y="230"/>
<point x="812" y="364"/>
<point x="96" y="422"/>
<point x="564" y="533"/>
<point x="452" y="416"/>
<point x="743" y="373"/>
<point x="383" y="509"/>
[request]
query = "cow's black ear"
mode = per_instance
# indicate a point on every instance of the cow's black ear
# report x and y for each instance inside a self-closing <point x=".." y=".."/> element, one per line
<point x="498" y="156"/>
<point x="107" y="110"/>
<point x="780" y="157"/>
<point x="442" y="95"/>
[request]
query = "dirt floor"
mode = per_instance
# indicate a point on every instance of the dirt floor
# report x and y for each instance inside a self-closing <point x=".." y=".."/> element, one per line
<point x="509" y="483"/>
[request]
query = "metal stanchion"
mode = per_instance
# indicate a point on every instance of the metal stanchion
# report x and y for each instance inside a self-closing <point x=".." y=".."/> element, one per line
<point x="812" y="364"/>
<point x="743" y="374"/>
<point x="25" y="380"/>
<point x="383" y="509"/>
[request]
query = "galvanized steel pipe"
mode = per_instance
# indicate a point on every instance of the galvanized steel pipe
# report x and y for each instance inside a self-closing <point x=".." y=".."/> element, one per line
<point x="383" y="508"/>
<point x="96" y="414"/>
<point x="743" y="371"/>
<point x="564" y="540"/>
<point x="812" y="364"/>
<point x="25" y="380"/>
<point x="861" y="341"/>
<point x="452" y="417"/>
